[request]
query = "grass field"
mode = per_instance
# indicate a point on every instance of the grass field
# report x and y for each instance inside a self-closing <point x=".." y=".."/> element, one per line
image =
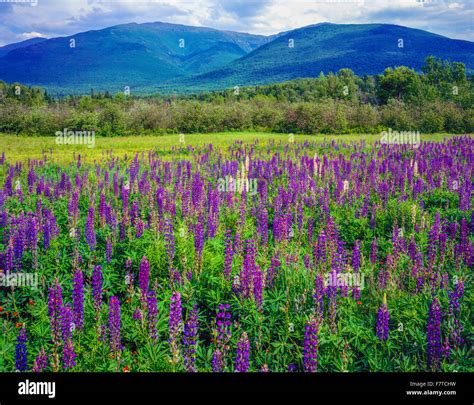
<point x="24" y="148"/>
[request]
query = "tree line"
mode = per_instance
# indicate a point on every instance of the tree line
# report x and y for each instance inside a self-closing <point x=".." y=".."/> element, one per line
<point x="440" y="98"/>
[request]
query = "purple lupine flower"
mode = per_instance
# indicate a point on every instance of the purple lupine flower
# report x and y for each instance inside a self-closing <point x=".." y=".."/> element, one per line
<point x="272" y="271"/>
<point x="152" y="315"/>
<point x="78" y="298"/>
<point x="199" y="238"/>
<point x="108" y="250"/>
<point x="331" y="292"/>
<point x="446" y="349"/>
<point x="433" y="335"/>
<point x="144" y="276"/>
<point x="69" y="355"/>
<point x="174" y="324"/>
<point x="97" y="287"/>
<point x="228" y="254"/>
<point x="262" y="226"/>
<point x="258" y="287"/>
<point x="41" y="362"/>
<point x="169" y="241"/>
<point x="114" y="325"/>
<point x="55" y="303"/>
<point x="175" y="316"/>
<point x="223" y="325"/>
<point x="66" y="323"/>
<point x="383" y="318"/>
<point x="318" y="295"/>
<point x="243" y="354"/>
<point x="137" y="315"/>
<point x="310" y="349"/>
<point x="20" y="351"/>
<point x="190" y="340"/>
<point x="246" y="275"/>
<point x="217" y="361"/>
<point x="356" y="256"/>
<point x="90" y="230"/>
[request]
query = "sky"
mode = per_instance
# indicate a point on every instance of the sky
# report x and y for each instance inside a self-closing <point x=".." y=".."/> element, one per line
<point x="24" y="19"/>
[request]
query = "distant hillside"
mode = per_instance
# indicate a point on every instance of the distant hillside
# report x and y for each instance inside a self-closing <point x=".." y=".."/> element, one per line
<point x="17" y="45"/>
<point x="135" y="55"/>
<point x="365" y="49"/>
<point x="148" y="57"/>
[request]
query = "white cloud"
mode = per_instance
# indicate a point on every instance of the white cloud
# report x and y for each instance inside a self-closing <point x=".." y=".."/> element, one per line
<point x="29" y="35"/>
<point x="61" y="17"/>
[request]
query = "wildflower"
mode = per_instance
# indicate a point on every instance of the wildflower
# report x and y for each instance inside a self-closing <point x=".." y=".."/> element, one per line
<point x="310" y="350"/>
<point x="152" y="315"/>
<point x="144" y="276"/>
<point x="190" y="340"/>
<point x="114" y="324"/>
<point x="20" y="351"/>
<point x="433" y="335"/>
<point x="383" y="318"/>
<point x="41" y="362"/>
<point x="243" y="354"/>
<point x="55" y="303"/>
<point x="97" y="287"/>
<point x="78" y="298"/>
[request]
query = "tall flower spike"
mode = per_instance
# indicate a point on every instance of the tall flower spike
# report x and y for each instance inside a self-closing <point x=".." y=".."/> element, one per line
<point x="152" y="315"/>
<point x="190" y="340"/>
<point x="383" y="318"/>
<point x="114" y="324"/>
<point x="97" y="287"/>
<point x="311" y="344"/>
<point x="78" y="298"/>
<point x="433" y="335"/>
<point x="20" y="351"/>
<point x="144" y="276"/>
<point x="243" y="354"/>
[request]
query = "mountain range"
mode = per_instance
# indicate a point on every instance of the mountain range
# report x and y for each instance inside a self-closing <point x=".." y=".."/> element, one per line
<point x="168" y="58"/>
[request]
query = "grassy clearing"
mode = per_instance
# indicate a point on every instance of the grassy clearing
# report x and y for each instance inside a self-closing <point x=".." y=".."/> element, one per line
<point x="23" y="148"/>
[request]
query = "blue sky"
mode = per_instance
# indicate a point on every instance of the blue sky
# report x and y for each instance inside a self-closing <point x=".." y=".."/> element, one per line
<point x="21" y="20"/>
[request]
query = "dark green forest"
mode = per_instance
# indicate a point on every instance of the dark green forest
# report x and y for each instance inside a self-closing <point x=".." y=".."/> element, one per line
<point x="438" y="99"/>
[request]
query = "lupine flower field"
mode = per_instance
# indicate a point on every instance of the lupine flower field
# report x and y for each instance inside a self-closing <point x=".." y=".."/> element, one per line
<point x="237" y="258"/>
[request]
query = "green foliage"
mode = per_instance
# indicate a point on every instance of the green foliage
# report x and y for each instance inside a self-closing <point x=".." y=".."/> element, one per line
<point x="440" y="100"/>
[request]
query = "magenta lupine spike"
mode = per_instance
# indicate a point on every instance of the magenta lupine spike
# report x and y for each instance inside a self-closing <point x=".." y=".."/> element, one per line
<point x="144" y="276"/>
<point x="311" y="344"/>
<point x="433" y="335"/>
<point x="190" y="338"/>
<point x="243" y="354"/>
<point x="78" y="298"/>
<point x="114" y="325"/>
<point x="41" y="362"/>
